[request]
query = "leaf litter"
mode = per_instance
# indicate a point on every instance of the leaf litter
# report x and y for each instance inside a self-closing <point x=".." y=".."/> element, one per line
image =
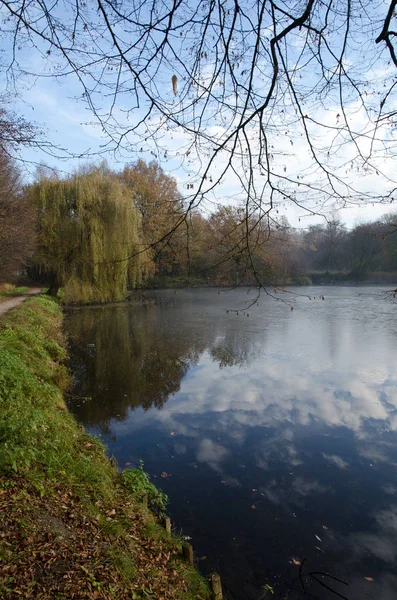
<point x="52" y="547"/>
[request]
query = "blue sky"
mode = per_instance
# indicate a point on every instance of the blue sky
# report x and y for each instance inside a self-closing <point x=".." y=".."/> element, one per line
<point x="52" y="104"/>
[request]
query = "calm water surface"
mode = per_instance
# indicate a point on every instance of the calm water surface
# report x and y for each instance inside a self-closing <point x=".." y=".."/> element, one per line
<point x="273" y="434"/>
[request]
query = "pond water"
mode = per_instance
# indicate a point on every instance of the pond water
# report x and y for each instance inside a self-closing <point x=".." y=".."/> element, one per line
<point x="272" y="431"/>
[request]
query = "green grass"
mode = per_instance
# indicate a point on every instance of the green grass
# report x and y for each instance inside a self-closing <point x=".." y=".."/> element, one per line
<point x="19" y="291"/>
<point x="47" y="460"/>
<point x="35" y="426"/>
<point x="8" y="290"/>
<point x="138" y="483"/>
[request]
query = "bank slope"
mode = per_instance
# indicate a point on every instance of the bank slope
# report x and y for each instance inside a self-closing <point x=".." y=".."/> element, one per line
<point x="68" y="527"/>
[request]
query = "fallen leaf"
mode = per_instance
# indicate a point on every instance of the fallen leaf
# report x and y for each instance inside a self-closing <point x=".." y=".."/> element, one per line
<point x="369" y="578"/>
<point x="325" y="527"/>
<point x="254" y="490"/>
<point x="127" y="464"/>
<point x="203" y="558"/>
<point x="88" y="444"/>
<point x="172" y="433"/>
<point x="253" y="507"/>
<point x="295" y="561"/>
<point x="164" y="475"/>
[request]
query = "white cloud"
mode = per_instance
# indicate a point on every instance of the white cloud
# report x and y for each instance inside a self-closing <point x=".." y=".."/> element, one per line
<point x="308" y="487"/>
<point x="336" y="460"/>
<point x="211" y="453"/>
<point x="381" y="543"/>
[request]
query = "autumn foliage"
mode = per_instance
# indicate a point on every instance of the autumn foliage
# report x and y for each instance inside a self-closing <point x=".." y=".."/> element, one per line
<point x="17" y="222"/>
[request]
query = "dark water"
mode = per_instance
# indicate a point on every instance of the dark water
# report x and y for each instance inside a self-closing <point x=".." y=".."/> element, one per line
<point x="275" y="433"/>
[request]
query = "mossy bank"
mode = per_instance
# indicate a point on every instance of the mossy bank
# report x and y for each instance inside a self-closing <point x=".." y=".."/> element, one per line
<point x="70" y="526"/>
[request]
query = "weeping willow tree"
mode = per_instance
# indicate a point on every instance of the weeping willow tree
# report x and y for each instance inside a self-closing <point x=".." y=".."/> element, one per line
<point x="88" y="225"/>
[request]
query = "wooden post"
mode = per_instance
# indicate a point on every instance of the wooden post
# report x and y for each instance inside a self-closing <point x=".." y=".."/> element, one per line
<point x="167" y="523"/>
<point x="216" y="587"/>
<point x="187" y="551"/>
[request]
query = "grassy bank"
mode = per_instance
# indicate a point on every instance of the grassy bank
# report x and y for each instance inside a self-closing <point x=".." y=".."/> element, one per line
<point x="8" y="290"/>
<point x="70" y="527"/>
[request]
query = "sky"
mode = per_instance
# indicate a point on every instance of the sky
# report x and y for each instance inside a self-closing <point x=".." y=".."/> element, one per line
<point x="51" y="103"/>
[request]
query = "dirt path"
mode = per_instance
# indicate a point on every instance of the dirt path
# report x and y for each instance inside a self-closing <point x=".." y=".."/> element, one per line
<point x="11" y="303"/>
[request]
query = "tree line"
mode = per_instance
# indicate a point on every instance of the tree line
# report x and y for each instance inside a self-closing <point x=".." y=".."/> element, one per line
<point x="332" y="252"/>
<point x="293" y="101"/>
<point x="99" y="233"/>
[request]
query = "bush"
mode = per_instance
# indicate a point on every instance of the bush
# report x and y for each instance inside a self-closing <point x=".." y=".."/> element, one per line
<point x="302" y="280"/>
<point x="6" y="288"/>
<point x="137" y="482"/>
<point x="19" y="291"/>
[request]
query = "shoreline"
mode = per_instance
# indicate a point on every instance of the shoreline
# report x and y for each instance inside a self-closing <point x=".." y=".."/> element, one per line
<point x="70" y="524"/>
<point x="140" y="302"/>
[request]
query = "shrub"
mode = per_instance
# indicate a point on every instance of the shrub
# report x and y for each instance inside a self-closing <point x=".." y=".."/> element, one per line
<point x="137" y="481"/>
<point x="302" y="280"/>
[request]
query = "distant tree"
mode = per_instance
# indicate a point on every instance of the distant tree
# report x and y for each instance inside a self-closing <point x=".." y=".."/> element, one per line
<point x="159" y="202"/>
<point x="324" y="246"/>
<point x="245" y="249"/>
<point x="155" y="195"/>
<point x="332" y="244"/>
<point x="364" y="247"/>
<point x="17" y="218"/>
<point x="87" y="225"/>
<point x="388" y="233"/>
<point x="198" y="256"/>
<point x="17" y="222"/>
<point x="367" y="249"/>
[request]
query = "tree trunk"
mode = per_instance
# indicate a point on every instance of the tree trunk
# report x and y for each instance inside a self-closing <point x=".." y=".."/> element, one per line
<point x="54" y="285"/>
<point x="53" y="290"/>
